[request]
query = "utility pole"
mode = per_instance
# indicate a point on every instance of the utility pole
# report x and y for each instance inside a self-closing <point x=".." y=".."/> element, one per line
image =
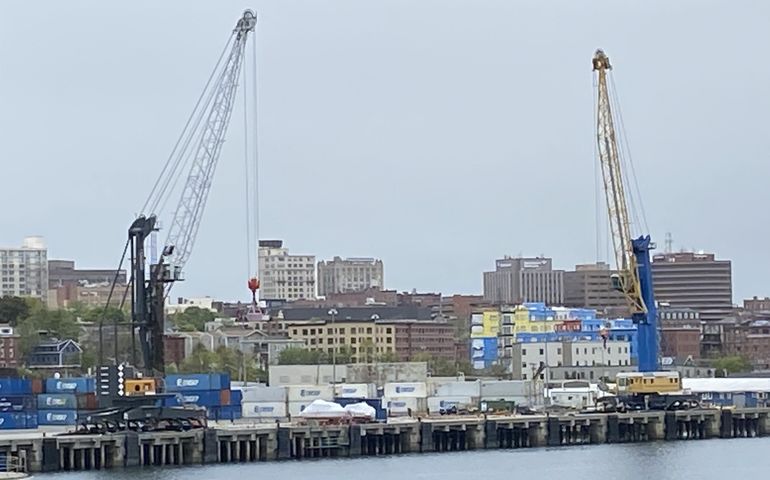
<point x="333" y="312"/>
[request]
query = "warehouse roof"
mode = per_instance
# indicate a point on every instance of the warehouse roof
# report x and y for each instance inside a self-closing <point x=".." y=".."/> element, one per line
<point x="725" y="385"/>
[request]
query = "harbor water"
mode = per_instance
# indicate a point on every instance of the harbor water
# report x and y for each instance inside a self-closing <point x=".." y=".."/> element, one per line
<point x="702" y="460"/>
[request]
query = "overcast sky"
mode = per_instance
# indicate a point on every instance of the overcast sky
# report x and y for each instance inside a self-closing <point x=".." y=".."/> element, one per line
<point x="436" y="135"/>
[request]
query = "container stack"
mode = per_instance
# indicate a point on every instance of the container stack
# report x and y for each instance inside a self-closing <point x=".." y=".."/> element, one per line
<point x="208" y="390"/>
<point x="265" y="404"/>
<point x="65" y="399"/>
<point x="405" y="398"/>
<point x="17" y="404"/>
<point x="300" y="396"/>
<point x="454" y="395"/>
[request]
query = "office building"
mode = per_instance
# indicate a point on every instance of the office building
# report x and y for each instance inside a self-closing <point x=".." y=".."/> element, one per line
<point x="24" y="270"/>
<point x="589" y="286"/>
<point x="344" y="275"/>
<point x="283" y="276"/>
<point x="520" y="280"/>
<point x="529" y="360"/>
<point x="694" y="280"/>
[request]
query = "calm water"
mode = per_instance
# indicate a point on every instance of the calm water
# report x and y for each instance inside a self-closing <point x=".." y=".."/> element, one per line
<point x="702" y="460"/>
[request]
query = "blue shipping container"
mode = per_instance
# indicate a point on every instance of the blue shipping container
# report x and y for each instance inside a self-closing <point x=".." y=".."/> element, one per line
<point x="197" y="382"/>
<point x="236" y="397"/>
<point x="15" y="386"/>
<point x="59" y="401"/>
<point x="208" y="398"/>
<point x="57" y="417"/>
<point x="17" y="403"/>
<point x="375" y="403"/>
<point x="17" y="420"/>
<point x="70" y="385"/>
<point x="228" y="412"/>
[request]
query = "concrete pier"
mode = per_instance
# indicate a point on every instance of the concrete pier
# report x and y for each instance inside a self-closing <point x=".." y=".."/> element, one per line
<point x="241" y="443"/>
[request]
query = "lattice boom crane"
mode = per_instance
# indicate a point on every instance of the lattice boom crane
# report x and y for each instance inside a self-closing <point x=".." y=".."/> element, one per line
<point x="632" y="255"/>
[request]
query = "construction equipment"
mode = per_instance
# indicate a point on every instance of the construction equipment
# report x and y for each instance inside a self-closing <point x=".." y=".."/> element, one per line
<point x="632" y="255"/>
<point x="198" y="149"/>
<point x="649" y="389"/>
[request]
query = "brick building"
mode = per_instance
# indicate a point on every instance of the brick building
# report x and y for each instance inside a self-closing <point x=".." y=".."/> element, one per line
<point x="9" y="348"/>
<point x="680" y="333"/>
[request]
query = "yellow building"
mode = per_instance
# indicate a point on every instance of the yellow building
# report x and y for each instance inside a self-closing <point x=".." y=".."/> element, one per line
<point x="364" y="340"/>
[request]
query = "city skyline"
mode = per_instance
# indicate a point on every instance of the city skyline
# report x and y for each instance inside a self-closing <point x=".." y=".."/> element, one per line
<point x="484" y="147"/>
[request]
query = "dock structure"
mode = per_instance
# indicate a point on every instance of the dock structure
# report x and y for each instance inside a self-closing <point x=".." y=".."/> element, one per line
<point x="240" y="442"/>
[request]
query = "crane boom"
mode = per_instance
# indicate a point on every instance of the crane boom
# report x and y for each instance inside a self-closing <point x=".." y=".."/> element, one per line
<point x="186" y="221"/>
<point x="632" y="255"/>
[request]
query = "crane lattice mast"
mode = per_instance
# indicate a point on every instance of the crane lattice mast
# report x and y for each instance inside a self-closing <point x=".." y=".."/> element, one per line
<point x="632" y="255"/>
<point x="186" y="221"/>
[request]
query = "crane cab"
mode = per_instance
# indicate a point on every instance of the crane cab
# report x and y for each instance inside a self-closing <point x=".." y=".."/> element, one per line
<point x="648" y="382"/>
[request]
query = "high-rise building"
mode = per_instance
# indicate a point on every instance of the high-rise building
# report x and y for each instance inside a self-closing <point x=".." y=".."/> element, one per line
<point x="24" y="270"/>
<point x="520" y="280"/>
<point x="283" y="276"/>
<point x="694" y="280"/>
<point x="590" y="286"/>
<point x="343" y="275"/>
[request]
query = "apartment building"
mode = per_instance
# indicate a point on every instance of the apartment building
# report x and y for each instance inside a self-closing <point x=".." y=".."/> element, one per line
<point x="24" y="270"/>
<point x="344" y="275"/>
<point x="284" y="276"/>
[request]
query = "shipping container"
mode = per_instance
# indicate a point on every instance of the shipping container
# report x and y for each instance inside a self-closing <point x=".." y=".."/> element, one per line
<point x="375" y="403"/>
<point x="224" y="397"/>
<point x="18" y="403"/>
<point x="57" y="417"/>
<point x="499" y="389"/>
<point x="271" y="410"/>
<point x="263" y="394"/>
<point x="236" y="397"/>
<point x="308" y="393"/>
<point x="458" y="389"/>
<point x="355" y="390"/>
<point x="70" y="385"/>
<point x="295" y="408"/>
<point x="38" y="386"/>
<point x="197" y="382"/>
<point x="206" y="398"/>
<point x="57" y="401"/>
<point x="15" y="386"/>
<point x="398" y="407"/>
<point x="18" y="420"/>
<point x="403" y="389"/>
<point x="223" y="413"/>
<point x="438" y="404"/>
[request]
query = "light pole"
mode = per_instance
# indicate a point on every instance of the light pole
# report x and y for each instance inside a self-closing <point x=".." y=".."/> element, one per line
<point x="374" y="318"/>
<point x="333" y="312"/>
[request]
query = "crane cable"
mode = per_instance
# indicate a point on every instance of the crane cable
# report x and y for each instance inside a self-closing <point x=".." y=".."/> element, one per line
<point x="251" y="173"/>
<point x="635" y="196"/>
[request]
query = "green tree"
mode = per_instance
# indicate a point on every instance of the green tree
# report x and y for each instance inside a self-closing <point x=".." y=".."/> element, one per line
<point x="300" y="356"/>
<point x="13" y="309"/>
<point x="387" y="357"/>
<point x="733" y="364"/>
<point x="192" y="319"/>
<point x="43" y="323"/>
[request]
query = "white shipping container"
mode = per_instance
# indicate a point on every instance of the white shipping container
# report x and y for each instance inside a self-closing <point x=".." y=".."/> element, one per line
<point x="399" y="407"/>
<point x="436" y="404"/>
<point x="354" y="390"/>
<point x="295" y="408"/>
<point x="498" y="389"/>
<point x="458" y="389"/>
<point x="264" y="394"/>
<point x="402" y="389"/>
<point x="308" y="393"/>
<point x="263" y="409"/>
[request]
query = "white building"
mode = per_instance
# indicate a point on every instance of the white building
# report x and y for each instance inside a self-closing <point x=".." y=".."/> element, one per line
<point x="528" y="357"/>
<point x="343" y="275"/>
<point x="283" y="276"/>
<point x="24" y="270"/>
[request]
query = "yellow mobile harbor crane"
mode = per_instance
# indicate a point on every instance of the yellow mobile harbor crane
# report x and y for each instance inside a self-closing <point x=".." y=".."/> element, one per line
<point x="648" y="387"/>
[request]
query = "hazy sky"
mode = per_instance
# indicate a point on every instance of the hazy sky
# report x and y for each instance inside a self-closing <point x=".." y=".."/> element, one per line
<point x="437" y="135"/>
